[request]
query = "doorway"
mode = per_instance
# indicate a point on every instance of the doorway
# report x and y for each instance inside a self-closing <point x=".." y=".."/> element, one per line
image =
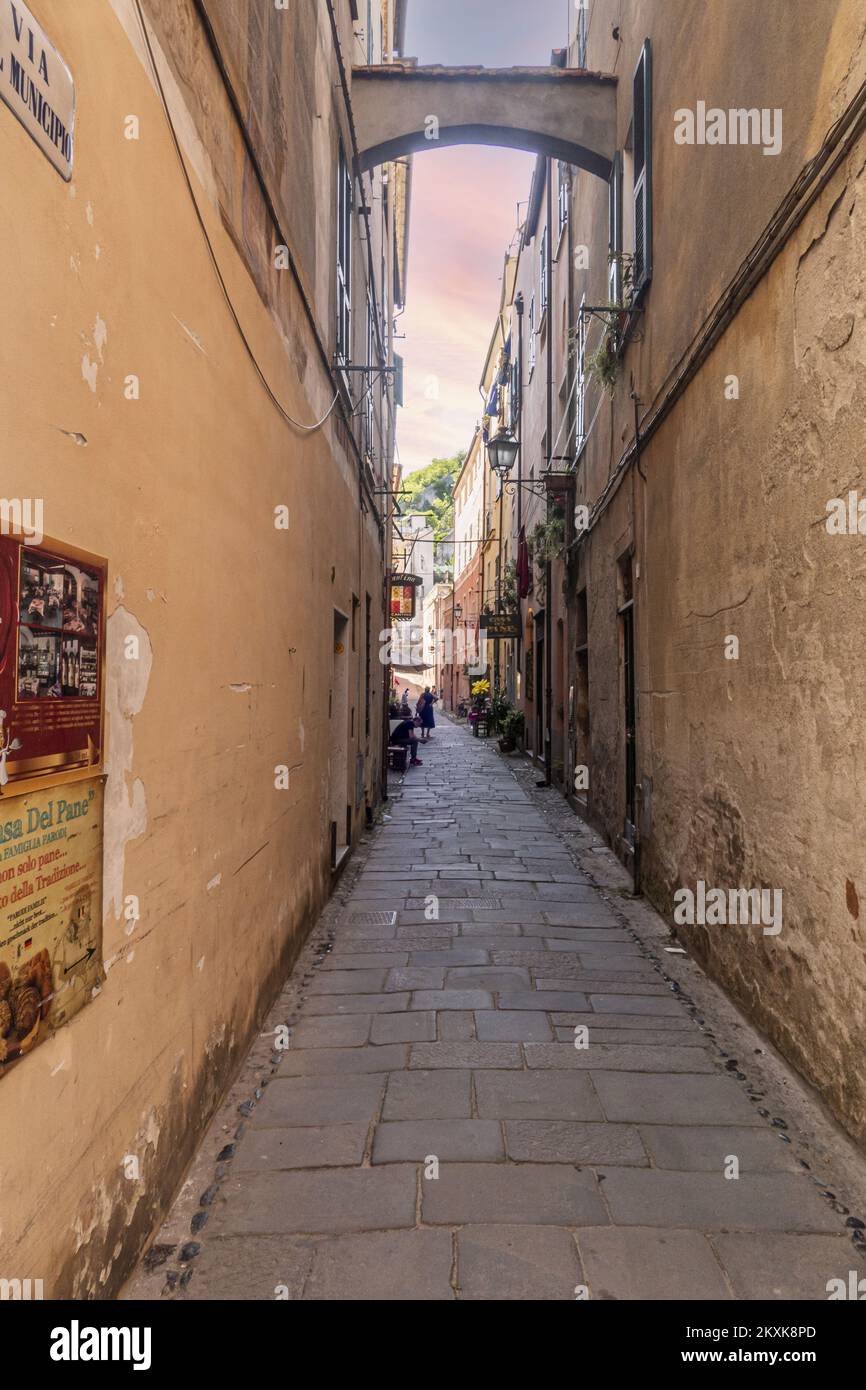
<point x="540" y="712"/>
<point x="338" y="733"/>
<point x="629" y="708"/>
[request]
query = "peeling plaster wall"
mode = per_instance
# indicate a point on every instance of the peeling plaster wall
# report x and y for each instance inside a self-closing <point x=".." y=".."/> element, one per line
<point x="233" y="618"/>
<point x="758" y="765"/>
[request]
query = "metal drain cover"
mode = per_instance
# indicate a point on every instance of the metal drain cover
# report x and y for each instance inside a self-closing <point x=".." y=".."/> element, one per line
<point x="373" y="919"/>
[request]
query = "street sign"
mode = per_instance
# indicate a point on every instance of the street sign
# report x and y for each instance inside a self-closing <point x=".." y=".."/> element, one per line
<point x="499" y="626"/>
<point x="36" y="84"/>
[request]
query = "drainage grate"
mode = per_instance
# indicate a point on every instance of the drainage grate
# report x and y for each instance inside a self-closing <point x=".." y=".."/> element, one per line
<point x="473" y="903"/>
<point x="373" y="919"/>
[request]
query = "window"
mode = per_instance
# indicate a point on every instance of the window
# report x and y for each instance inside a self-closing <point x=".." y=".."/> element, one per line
<point x="582" y="31"/>
<point x="344" y="259"/>
<point x="532" y="333"/>
<point x="580" y="388"/>
<point x="614" y="236"/>
<point x="370" y="361"/>
<point x="563" y="196"/>
<point x="514" y="403"/>
<point x="544" y="286"/>
<point x="642" y="144"/>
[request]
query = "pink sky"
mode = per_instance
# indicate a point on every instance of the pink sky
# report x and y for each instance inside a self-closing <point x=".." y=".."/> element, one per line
<point x="464" y="215"/>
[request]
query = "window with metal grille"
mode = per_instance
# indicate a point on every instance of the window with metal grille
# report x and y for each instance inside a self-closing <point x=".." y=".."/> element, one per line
<point x="344" y="259"/>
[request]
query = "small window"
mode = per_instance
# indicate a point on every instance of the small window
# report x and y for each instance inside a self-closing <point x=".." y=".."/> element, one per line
<point x="370" y="378"/>
<point x="544" y="285"/>
<point x="642" y="140"/>
<point x="580" y="387"/>
<point x="614" y="239"/>
<point x="582" y="31"/>
<point x="563" y="196"/>
<point x="532" y="333"/>
<point x="344" y="259"/>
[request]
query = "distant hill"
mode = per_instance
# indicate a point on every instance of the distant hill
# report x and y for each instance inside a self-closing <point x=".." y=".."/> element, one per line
<point x="432" y="493"/>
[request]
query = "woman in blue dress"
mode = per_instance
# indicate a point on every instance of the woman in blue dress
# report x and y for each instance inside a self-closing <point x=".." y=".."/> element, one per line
<point x="425" y="710"/>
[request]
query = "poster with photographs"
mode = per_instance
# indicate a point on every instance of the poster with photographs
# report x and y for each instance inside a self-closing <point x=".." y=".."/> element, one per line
<point x="51" y="636"/>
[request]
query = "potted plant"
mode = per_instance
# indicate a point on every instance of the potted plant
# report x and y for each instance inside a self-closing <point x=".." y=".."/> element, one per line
<point x="512" y="730"/>
<point x="499" y="707"/>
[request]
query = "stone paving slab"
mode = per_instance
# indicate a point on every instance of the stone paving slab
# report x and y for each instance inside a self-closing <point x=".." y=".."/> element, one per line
<point x="697" y="1100"/>
<point x="781" y="1266"/>
<point x="536" y="1095"/>
<point x="611" y="1057"/>
<point x="650" y="1264"/>
<point x="325" y="1200"/>
<point x="320" y="1100"/>
<point x="707" y="1148"/>
<point x="510" y="1263"/>
<point x="316" y="1146"/>
<point x="711" y="1202"/>
<point x="422" y="1095"/>
<point x="457" y="1141"/>
<point x="535" y="1194"/>
<point x="506" y="1025"/>
<point x="567" y="1141"/>
<point x="383" y="1265"/>
<point x="349" y="1060"/>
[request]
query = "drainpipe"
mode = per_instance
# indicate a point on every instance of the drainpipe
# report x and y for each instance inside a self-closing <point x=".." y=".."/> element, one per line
<point x="548" y="607"/>
<point x="637" y="876"/>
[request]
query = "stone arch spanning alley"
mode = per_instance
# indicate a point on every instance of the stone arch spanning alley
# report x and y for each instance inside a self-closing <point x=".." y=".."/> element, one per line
<point x="565" y="113"/>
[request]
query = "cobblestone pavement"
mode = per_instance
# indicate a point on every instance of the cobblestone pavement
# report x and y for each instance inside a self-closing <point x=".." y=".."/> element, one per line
<point x="434" y="1132"/>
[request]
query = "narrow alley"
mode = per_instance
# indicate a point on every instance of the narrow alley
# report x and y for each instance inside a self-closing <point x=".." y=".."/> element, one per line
<point x="494" y="1087"/>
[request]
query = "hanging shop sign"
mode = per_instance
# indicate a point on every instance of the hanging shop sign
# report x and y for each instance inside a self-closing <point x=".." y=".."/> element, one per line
<point x="36" y="84"/>
<point x="499" y="626"/>
<point x="403" y="603"/>
<point x="50" y="911"/>
<point x="52" y="641"/>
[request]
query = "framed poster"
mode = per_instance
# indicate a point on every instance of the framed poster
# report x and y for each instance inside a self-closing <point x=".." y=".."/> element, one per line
<point x="50" y="911"/>
<point x="52" y="656"/>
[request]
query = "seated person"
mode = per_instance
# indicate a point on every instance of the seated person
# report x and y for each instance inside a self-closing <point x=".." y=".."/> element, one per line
<point x="404" y="735"/>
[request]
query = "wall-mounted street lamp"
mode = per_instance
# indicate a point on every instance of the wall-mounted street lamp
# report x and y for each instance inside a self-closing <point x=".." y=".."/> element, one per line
<point x="502" y="451"/>
<point x="458" y="612"/>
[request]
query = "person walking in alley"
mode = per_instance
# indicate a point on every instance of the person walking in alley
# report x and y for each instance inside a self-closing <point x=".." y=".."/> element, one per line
<point x="424" y="709"/>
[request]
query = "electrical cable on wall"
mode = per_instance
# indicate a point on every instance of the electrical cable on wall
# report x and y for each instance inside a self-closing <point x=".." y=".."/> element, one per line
<point x="296" y="424"/>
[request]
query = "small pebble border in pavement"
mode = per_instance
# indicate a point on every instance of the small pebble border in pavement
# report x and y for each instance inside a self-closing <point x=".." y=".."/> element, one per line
<point x="433" y="1132"/>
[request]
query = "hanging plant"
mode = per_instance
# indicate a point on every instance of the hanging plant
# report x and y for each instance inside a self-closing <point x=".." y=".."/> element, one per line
<point x="604" y="363"/>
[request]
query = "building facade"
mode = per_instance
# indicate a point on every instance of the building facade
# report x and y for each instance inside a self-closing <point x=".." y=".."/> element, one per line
<point x="199" y="390"/>
<point x="691" y="397"/>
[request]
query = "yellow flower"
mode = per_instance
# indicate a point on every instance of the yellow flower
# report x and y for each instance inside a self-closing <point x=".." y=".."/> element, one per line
<point x="481" y="688"/>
